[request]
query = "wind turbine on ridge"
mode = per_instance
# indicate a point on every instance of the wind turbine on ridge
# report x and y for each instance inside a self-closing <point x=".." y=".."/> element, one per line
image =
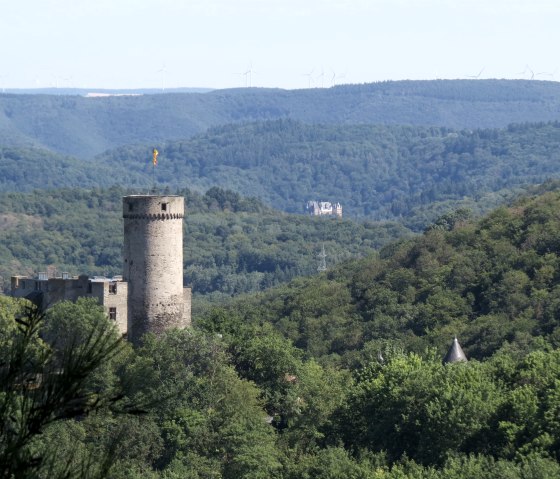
<point x="241" y="74"/>
<point x="335" y="76"/>
<point x="67" y="81"/>
<point x="249" y="72"/>
<point x="322" y="77"/>
<point x="476" y="77"/>
<point x="163" y="71"/>
<point x="547" y="74"/>
<point x="309" y="77"/>
<point x="528" y="70"/>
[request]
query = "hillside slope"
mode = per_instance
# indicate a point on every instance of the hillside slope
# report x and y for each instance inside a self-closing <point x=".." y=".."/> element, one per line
<point x="494" y="283"/>
<point x="408" y="174"/>
<point x="84" y="127"/>
<point x="232" y="245"/>
<point x="379" y="172"/>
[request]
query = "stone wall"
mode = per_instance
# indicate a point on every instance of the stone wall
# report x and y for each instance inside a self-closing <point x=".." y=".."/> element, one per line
<point x="153" y="263"/>
<point x="47" y="292"/>
<point x="114" y="298"/>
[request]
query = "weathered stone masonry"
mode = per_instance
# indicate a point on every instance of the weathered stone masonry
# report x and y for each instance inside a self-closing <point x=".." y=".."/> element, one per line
<point x="111" y="293"/>
<point x="149" y="297"/>
<point x="153" y="264"/>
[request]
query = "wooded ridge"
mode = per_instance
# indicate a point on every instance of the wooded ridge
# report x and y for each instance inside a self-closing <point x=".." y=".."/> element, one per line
<point x="410" y="174"/>
<point x="84" y="127"/>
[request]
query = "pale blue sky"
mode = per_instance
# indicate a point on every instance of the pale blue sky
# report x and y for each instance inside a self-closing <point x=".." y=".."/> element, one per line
<point x="286" y="44"/>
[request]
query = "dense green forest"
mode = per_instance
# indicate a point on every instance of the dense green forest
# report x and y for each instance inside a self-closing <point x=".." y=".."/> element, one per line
<point x="288" y="373"/>
<point x="84" y="127"/>
<point x="489" y="282"/>
<point x="232" y="245"/>
<point x="335" y="376"/>
<point x="409" y="174"/>
<point x="27" y="169"/>
<point x="379" y="172"/>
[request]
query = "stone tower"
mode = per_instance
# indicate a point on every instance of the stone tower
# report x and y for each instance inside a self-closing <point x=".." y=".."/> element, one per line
<point x="153" y="264"/>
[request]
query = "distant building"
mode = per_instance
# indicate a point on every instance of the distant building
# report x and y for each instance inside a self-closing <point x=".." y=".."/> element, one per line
<point x="324" y="208"/>
<point x="111" y="293"/>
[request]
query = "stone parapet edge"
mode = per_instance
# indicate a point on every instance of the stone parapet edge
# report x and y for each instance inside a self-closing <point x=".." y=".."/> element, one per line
<point x="154" y="217"/>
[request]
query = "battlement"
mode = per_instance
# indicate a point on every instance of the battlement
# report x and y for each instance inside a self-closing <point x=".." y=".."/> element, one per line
<point x="154" y="217"/>
<point x="153" y="205"/>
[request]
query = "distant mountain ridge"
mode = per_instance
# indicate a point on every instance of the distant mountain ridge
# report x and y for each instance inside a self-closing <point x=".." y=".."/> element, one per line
<point x="405" y="173"/>
<point x="103" y="91"/>
<point x="84" y="127"/>
<point x="378" y="172"/>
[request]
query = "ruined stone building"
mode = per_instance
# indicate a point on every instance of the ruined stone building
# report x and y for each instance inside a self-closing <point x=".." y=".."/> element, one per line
<point x="149" y="297"/>
<point x="45" y="291"/>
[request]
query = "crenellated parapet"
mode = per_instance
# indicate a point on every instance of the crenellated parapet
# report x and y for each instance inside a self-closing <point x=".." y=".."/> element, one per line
<point x="154" y="217"/>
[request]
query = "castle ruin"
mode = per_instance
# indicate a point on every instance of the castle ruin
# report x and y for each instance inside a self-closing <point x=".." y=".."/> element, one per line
<point x="149" y="297"/>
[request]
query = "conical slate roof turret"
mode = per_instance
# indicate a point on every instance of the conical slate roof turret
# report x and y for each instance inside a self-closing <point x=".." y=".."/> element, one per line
<point x="455" y="354"/>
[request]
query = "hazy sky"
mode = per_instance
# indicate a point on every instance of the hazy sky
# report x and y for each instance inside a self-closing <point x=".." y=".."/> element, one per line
<point x="284" y="43"/>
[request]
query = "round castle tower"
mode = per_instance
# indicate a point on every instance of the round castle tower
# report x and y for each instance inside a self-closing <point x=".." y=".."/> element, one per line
<point x="153" y="264"/>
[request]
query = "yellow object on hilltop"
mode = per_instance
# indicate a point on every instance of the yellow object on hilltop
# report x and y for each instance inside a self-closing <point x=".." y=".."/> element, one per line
<point x="155" y="154"/>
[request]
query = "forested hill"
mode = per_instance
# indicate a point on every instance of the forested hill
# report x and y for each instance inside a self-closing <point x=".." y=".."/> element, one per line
<point x="380" y="172"/>
<point x="331" y="377"/>
<point x="494" y="283"/>
<point x="410" y="174"/>
<point x="84" y="127"/>
<point x="232" y="244"/>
